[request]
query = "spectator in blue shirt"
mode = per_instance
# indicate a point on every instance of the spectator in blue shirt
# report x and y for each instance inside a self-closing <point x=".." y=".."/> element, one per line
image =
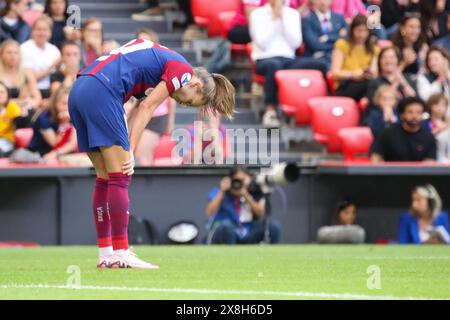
<point x="321" y="29"/>
<point x="237" y="210"/>
<point x="425" y="222"/>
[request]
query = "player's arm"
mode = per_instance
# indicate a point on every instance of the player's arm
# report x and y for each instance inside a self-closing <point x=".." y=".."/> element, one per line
<point x="144" y="113"/>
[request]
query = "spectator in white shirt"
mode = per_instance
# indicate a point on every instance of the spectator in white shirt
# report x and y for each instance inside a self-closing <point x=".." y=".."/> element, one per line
<point x="275" y="30"/>
<point x="39" y="55"/>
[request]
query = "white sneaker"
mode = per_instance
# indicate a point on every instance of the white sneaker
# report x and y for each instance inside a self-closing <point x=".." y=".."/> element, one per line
<point x="270" y="119"/>
<point x="103" y="262"/>
<point x="128" y="259"/>
<point x="148" y="15"/>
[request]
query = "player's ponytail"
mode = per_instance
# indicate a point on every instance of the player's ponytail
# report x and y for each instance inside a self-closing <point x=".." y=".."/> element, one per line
<point x="218" y="92"/>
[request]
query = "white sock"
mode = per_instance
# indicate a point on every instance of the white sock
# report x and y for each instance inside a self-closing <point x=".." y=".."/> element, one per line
<point x="120" y="252"/>
<point x="106" y="251"/>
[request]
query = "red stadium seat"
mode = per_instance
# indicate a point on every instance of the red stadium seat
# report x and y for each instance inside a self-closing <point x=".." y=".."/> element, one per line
<point x="384" y="43"/>
<point x="295" y="87"/>
<point x="328" y="116"/>
<point x="255" y="77"/>
<point x="23" y="137"/>
<point x="162" y="156"/>
<point x="215" y="8"/>
<point x="30" y="16"/>
<point x="200" y="10"/>
<point x="330" y="83"/>
<point x="225" y="19"/>
<point x="356" y="143"/>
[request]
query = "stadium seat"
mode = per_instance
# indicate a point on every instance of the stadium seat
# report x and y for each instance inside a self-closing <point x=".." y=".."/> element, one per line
<point x="225" y="19"/>
<point x="30" y="16"/>
<point x="295" y="87"/>
<point x="384" y="43"/>
<point x="356" y="143"/>
<point x="215" y="8"/>
<point x="328" y="116"/>
<point x="330" y="83"/>
<point x="200" y="10"/>
<point x="162" y="155"/>
<point x="23" y="137"/>
<point x="255" y="77"/>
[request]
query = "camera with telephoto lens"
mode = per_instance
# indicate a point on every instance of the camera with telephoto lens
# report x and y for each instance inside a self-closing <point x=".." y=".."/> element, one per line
<point x="279" y="174"/>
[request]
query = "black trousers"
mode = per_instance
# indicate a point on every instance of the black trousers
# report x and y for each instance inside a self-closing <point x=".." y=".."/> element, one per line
<point x="239" y="34"/>
<point x="353" y="89"/>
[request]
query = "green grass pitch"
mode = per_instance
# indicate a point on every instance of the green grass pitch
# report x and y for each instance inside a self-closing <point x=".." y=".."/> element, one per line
<point x="225" y="272"/>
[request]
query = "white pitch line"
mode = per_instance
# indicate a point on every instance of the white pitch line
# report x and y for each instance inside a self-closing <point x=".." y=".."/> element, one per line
<point x="322" y="295"/>
<point x="409" y="258"/>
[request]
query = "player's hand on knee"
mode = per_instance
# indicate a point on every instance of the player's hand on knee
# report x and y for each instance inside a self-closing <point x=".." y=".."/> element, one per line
<point x="128" y="166"/>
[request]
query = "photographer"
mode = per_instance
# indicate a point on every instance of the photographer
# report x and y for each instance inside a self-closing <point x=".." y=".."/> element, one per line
<point x="237" y="212"/>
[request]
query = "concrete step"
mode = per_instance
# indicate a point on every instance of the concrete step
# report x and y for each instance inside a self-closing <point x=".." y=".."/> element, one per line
<point x="126" y="25"/>
<point x="170" y="40"/>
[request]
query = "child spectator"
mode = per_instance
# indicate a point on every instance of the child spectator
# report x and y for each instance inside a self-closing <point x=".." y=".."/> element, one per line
<point x="438" y="126"/>
<point x="53" y="133"/>
<point x="109" y="45"/>
<point x="41" y="56"/>
<point x="12" y="26"/>
<point x="354" y="61"/>
<point x="344" y="229"/>
<point x="425" y="222"/>
<point x="385" y="113"/>
<point x="9" y="112"/>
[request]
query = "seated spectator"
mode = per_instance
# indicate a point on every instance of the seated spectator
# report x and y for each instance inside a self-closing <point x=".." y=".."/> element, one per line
<point x="237" y="212"/>
<point x="433" y="17"/>
<point x="384" y="114"/>
<point x="425" y="222"/>
<point x="437" y="76"/>
<point x="41" y="56"/>
<point x="389" y="73"/>
<point x="21" y="82"/>
<point x="9" y="112"/>
<point x="12" y="25"/>
<point x="408" y="140"/>
<point x="438" y="126"/>
<point x="392" y="11"/>
<point x="276" y="33"/>
<point x="53" y="133"/>
<point x="208" y="140"/>
<point x="57" y="11"/>
<point x="344" y="229"/>
<point x="69" y="67"/>
<point x="444" y="41"/>
<point x="354" y="61"/>
<point x="91" y="40"/>
<point x="321" y="29"/>
<point x="411" y="42"/>
<point x="162" y="122"/>
<point x="437" y="107"/>
<point x="239" y="31"/>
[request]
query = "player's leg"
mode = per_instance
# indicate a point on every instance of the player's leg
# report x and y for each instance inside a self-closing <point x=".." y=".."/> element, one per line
<point x="144" y="153"/>
<point x="100" y="210"/>
<point x="119" y="206"/>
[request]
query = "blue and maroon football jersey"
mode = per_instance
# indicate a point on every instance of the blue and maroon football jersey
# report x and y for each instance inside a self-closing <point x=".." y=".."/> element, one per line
<point x="137" y="67"/>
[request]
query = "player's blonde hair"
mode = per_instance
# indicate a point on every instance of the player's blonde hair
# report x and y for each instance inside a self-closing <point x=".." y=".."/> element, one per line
<point x="218" y="93"/>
